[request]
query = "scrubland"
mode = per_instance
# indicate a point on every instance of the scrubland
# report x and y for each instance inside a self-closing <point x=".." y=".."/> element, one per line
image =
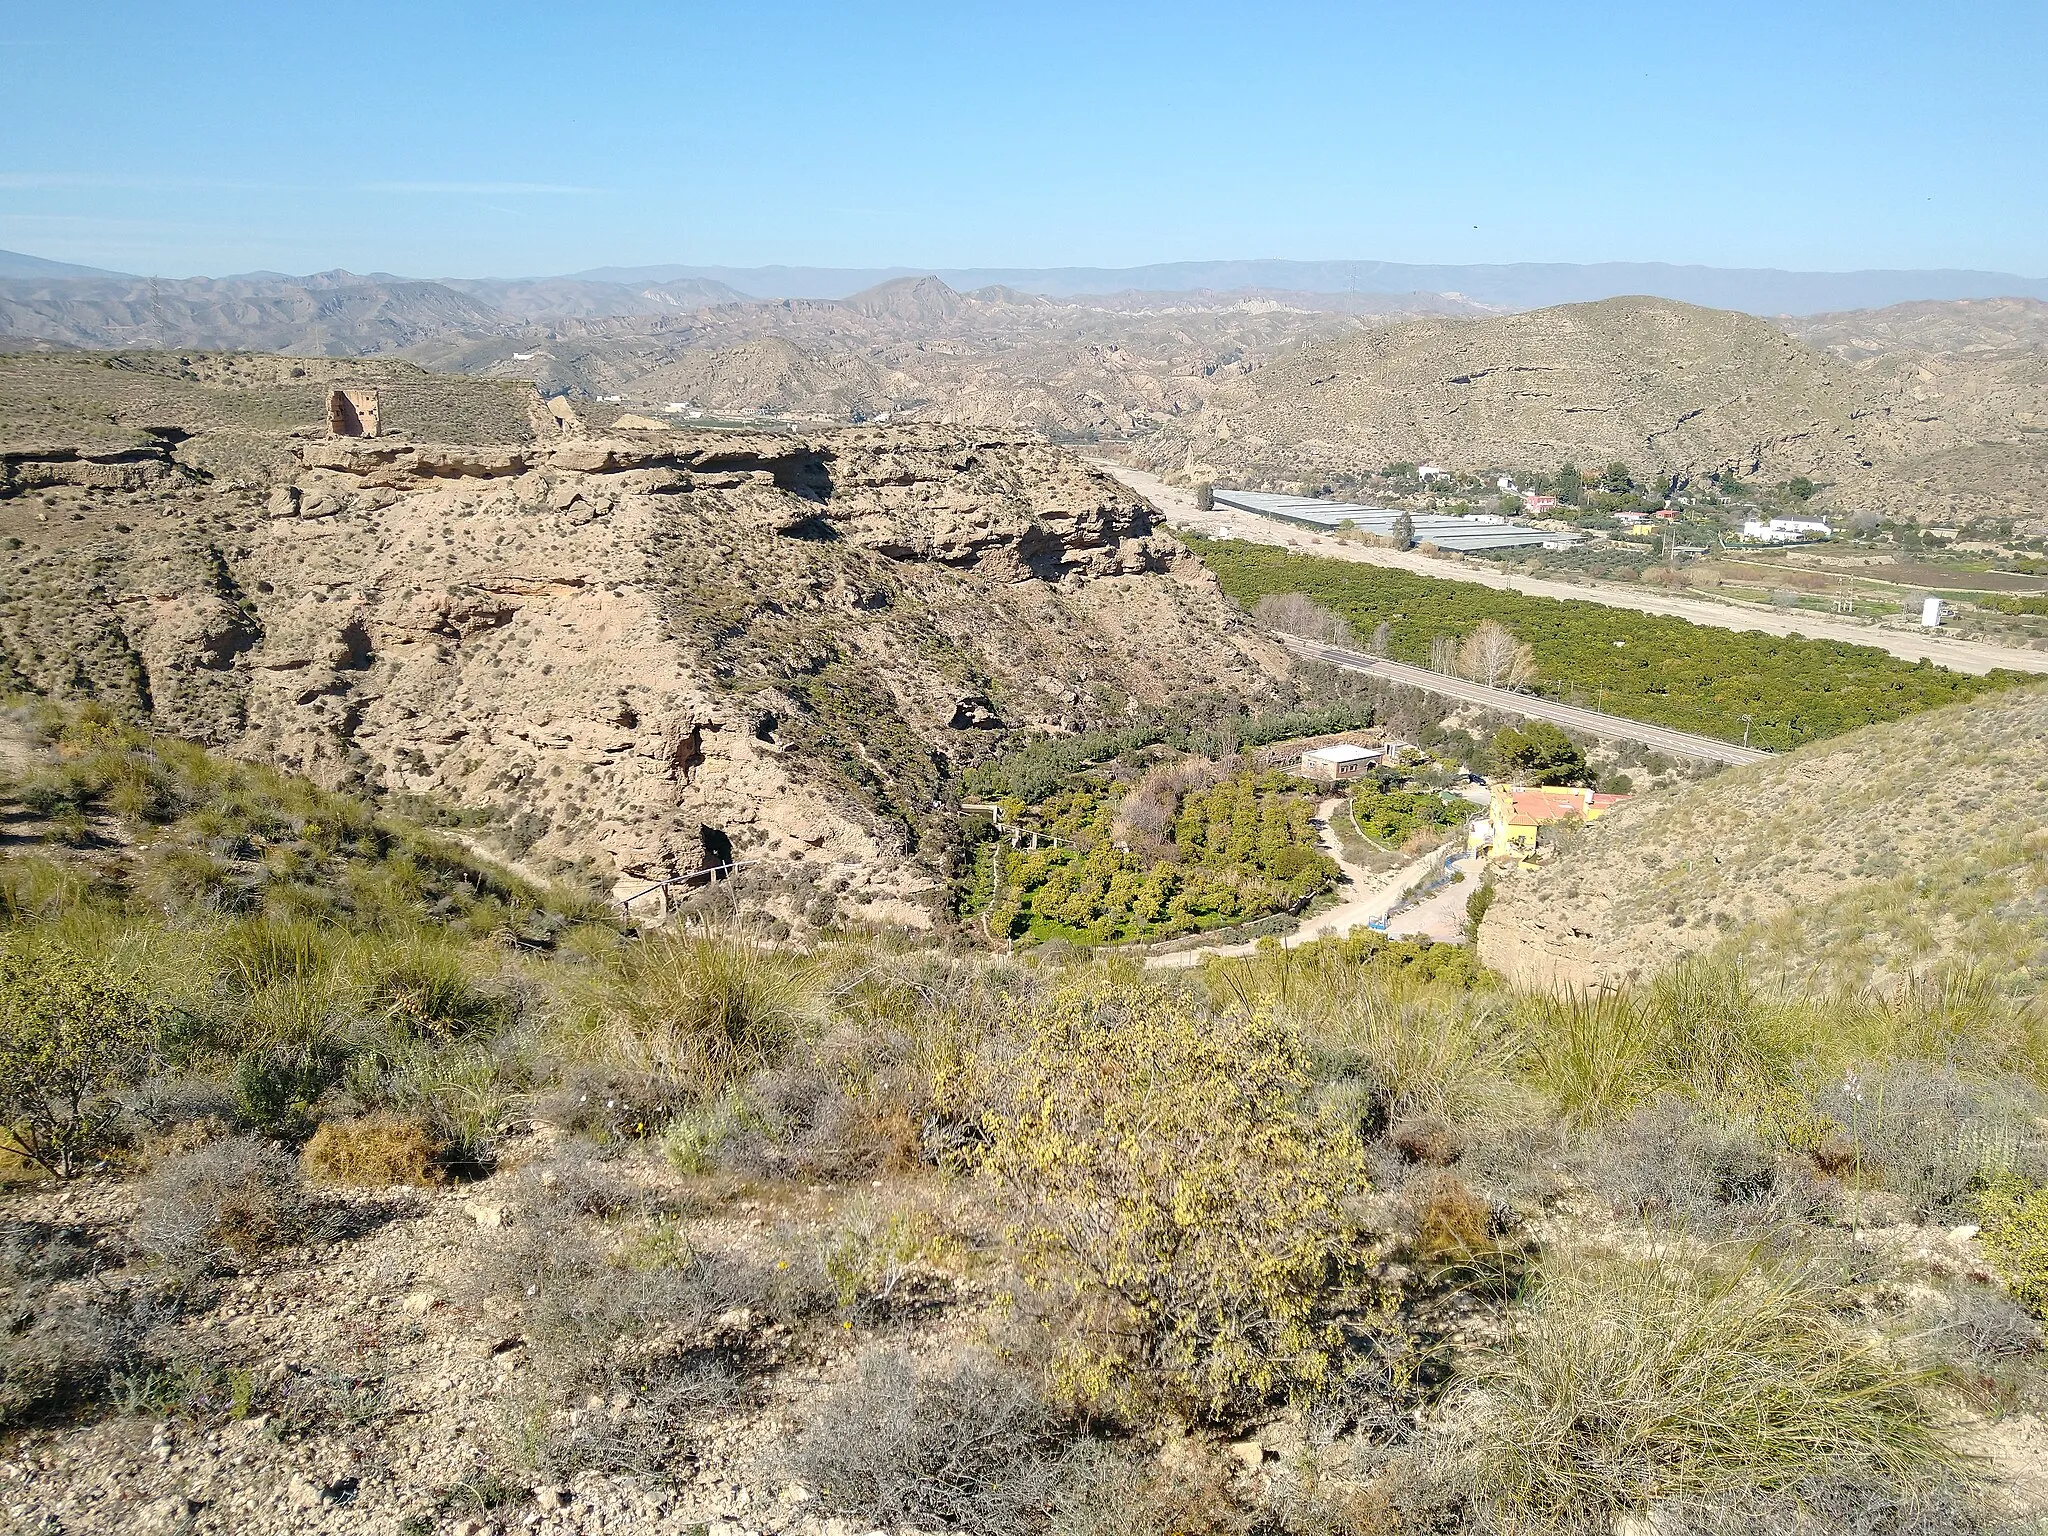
<point x="358" y="1184"/>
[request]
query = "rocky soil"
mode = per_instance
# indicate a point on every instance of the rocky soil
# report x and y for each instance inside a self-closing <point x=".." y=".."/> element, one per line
<point x="359" y="1385"/>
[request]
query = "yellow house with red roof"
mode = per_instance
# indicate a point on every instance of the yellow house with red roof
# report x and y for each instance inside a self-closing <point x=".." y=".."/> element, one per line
<point x="1515" y="813"/>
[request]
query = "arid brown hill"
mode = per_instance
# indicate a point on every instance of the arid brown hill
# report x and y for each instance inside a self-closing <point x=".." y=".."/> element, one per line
<point x="643" y="653"/>
<point x="1664" y="387"/>
<point x="1867" y="859"/>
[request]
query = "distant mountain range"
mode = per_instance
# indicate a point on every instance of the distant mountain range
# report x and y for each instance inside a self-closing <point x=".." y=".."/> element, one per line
<point x="1519" y="285"/>
<point x="1516" y="285"/>
<point x="15" y="264"/>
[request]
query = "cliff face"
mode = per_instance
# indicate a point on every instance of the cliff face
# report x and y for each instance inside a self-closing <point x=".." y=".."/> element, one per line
<point x="644" y="655"/>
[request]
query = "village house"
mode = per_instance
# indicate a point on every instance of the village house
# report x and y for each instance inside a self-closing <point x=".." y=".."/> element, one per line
<point x="1784" y="530"/>
<point x="1341" y="761"/>
<point x="1515" y="813"/>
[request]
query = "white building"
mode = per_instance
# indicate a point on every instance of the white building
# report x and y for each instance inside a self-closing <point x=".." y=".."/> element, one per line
<point x="1784" y="530"/>
<point x="1342" y="761"/>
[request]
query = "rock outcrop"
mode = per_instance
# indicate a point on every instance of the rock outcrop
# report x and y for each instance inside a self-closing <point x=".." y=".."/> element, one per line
<point x="644" y="654"/>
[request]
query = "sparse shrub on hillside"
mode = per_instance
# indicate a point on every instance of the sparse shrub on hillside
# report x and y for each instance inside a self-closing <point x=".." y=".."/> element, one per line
<point x="694" y="1140"/>
<point x="613" y="1106"/>
<point x="1987" y="1344"/>
<point x="72" y="1031"/>
<point x="638" y="1322"/>
<point x="224" y="1203"/>
<point x="1930" y="1135"/>
<point x="374" y="1152"/>
<point x="873" y="1256"/>
<point x="61" y="1354"/>
<point x="1451" y="1224"/>
<point x="959" y="1445"/>
<point x="861" y="1095"/>
<point x="1646" y="1376"/>
<point x="1176" y="1193"/>
<point x="1682" y="1162"/>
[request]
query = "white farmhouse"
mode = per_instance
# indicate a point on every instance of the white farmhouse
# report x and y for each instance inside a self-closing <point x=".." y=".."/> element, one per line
<point x="1784" y="530"/>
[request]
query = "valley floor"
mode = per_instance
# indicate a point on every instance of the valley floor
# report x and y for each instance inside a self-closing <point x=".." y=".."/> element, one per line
<point x="1971" y="656"/>
<point x="1365" y="897"/>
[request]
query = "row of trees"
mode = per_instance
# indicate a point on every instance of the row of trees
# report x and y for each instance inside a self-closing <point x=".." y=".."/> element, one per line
<point x="1784" y="689"/>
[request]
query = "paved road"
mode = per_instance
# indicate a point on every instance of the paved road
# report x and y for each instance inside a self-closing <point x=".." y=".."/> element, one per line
<point x="1592" y="721"/>
<point x="1910" y="644"/>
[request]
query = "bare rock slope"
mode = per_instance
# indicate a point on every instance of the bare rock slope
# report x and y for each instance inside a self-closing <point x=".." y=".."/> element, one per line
<point x="643" y="654"/>
<point x="1860" y="861"/>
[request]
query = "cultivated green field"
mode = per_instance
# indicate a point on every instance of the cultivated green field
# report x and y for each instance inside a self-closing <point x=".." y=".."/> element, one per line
<point x="1644" y="666"/>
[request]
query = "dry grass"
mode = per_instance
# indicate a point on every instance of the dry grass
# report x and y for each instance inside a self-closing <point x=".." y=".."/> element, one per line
<point x="1666" y="1373"/>
<point x="702" y="1009"/>
<point x="374" y="1152"/>
<point x="955" y="1446"/>
<point x="221" y="1204"/>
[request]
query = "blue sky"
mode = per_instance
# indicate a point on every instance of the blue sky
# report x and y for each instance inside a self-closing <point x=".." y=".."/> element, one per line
<point x="513" y="139"/>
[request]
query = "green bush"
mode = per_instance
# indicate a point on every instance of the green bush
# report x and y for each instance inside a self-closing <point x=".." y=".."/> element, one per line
<point x="276" y="1087"/>
<point x="1175" y="1195"/>
<point x="2015" y="1217"/>
<point x="72" y="1031"/>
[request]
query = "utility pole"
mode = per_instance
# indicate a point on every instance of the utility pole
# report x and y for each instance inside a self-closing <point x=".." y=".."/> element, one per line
<point x="1746" y="720"/>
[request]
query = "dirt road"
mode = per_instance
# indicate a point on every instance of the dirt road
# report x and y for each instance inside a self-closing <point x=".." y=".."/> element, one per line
<point x="1973" y="656"/>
